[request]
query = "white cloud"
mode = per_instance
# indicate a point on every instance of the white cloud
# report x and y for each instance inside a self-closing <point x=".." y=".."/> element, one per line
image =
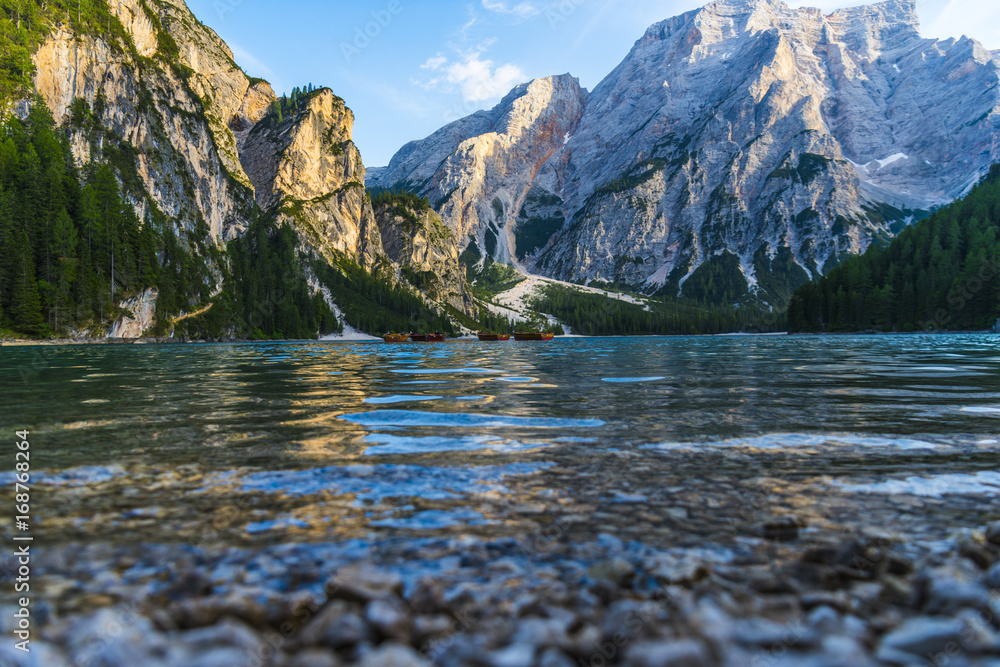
<point x="435" y="63"/>
<point x="521" y="9"/>
<point x="479" y="80"/>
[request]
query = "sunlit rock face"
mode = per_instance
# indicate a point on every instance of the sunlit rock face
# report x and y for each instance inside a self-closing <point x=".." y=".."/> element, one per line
<point x="308" y="166"/>
<point x="778" y="139"/>
<point x="192" y="137"/>
<point x="478" y="171"/>
<point x="170" y="115"/>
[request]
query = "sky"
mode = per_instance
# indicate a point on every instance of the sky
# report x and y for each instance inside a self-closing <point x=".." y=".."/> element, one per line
<point x="408" y="67"/>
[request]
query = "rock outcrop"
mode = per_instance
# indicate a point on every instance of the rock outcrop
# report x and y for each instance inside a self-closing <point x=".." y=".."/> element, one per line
<point x="478" y="171"/>
<point x="308" y="167"/>
<point x="164" y="114"/>
<point x="139" y="316"/>
<point x="780" y="136"/>
<point x="416" y="239"/>
<point x="196" y="144"/>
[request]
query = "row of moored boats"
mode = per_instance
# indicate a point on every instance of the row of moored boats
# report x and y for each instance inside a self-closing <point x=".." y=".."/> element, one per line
<point x="486" y="336"/>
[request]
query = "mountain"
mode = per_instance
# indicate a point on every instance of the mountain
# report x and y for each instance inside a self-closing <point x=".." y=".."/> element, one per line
<point x="939" y="274"/>
<point x="480" y="170"/>
<point x="223" y="208"/>
<point x="745" y="140"/>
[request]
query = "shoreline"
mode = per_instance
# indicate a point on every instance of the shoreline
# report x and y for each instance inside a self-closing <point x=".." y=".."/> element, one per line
<point x="364" y="338"/>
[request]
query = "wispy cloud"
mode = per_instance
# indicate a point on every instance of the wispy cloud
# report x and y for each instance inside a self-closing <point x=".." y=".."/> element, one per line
<point x="435" y="62"/>
<point x="519" y="10"/>
<point x="479" y="80"/>
<point x="475" y="79"/>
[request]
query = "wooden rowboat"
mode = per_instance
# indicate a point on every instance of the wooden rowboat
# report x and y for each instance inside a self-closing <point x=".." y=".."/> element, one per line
<point x="488" y="337"/>
<point x="533" y="335"/>
<point x="395" y="338"/>
<point x="436" y="337"/>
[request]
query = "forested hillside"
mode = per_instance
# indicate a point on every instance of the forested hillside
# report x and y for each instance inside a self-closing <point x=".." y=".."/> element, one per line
<point x="942" y="273"/>
<point x="71" y="247"/>
<point x="596" y="315"/>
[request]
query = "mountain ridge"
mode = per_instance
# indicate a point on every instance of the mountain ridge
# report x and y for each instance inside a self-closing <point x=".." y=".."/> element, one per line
<point x="204" y="155"/>
<point x="744" y="128"/>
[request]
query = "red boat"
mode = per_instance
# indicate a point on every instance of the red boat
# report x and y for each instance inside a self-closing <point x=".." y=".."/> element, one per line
<point x="395" y="338"/>
<point x="533" y="335"/>
<point x="488" y="337"/>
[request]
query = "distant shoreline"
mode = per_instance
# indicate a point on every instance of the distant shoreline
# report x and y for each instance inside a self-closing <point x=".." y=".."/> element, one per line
<point x="60" y="342"/>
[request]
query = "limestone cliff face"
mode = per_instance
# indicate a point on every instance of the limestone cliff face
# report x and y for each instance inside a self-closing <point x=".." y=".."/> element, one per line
<point x="418" y="241"/>
<point x="139" y="316"/>
<point x="308" y="167"/>
<point x="744" y="127"/>
<point x="231" y="101"/>
<point x="158" y="113"/>
<point x="478" y="171"/>
<point x="194" y="145"/>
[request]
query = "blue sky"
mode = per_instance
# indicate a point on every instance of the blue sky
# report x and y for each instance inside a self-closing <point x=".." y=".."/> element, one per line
<point x="423" y="64"/>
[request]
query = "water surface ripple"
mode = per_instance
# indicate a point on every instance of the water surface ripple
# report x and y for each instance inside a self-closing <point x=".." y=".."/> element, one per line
<point x="354" y="440"/>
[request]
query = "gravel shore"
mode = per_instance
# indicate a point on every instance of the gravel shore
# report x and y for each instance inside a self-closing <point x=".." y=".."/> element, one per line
<point x="466" y="601"/>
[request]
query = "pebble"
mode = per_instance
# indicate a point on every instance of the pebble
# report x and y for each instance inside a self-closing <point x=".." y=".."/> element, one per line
<point x="337" y="626"/>
<point x="555" y="658"/>
<point x="683" y="653"/>
<point x="948" y="592"/>
<point x="390" y="619"/>
<point x="919" y="637"/>
<point x="993" y="577"/>
<point x="782" y="529"/>
<point x="617" y="571"/>
<point x="363" y="583"/>
<point x="315" y="658"/>
<point x="393" y="655"/>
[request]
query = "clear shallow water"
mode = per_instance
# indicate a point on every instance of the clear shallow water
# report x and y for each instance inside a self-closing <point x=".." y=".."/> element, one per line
<point x="647" y="437"/>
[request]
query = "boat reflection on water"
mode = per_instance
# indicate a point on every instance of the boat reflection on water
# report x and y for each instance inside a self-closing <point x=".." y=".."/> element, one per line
<point x="488" y="337"/>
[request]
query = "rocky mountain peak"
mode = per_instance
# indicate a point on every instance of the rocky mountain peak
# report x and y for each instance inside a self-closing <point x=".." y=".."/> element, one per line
<point x="478" y="171"/>
<point x="897" y="13"/>
<point x="871" y="29"/>
<point x="541" y="100"/>
<point x="304" y="165"/>
<point x="744" y="133"/>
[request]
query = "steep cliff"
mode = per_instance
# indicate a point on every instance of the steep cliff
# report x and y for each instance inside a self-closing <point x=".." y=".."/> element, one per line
<point x="744" y="136"/>
<point x="201" y="151"/>
<point x="147" y="93"/>
<point x="307" y="167"/>
<point x="478" y="171"/>
<point x="416" y="239"/>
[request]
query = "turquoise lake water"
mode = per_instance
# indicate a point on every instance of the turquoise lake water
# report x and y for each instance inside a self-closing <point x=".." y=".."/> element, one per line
<point x="263" y="443"/>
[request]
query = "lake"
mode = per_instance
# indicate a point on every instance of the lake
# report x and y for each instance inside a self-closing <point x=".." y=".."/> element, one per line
<point x="356" y="440"/>
<point x="720" y="490"/>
